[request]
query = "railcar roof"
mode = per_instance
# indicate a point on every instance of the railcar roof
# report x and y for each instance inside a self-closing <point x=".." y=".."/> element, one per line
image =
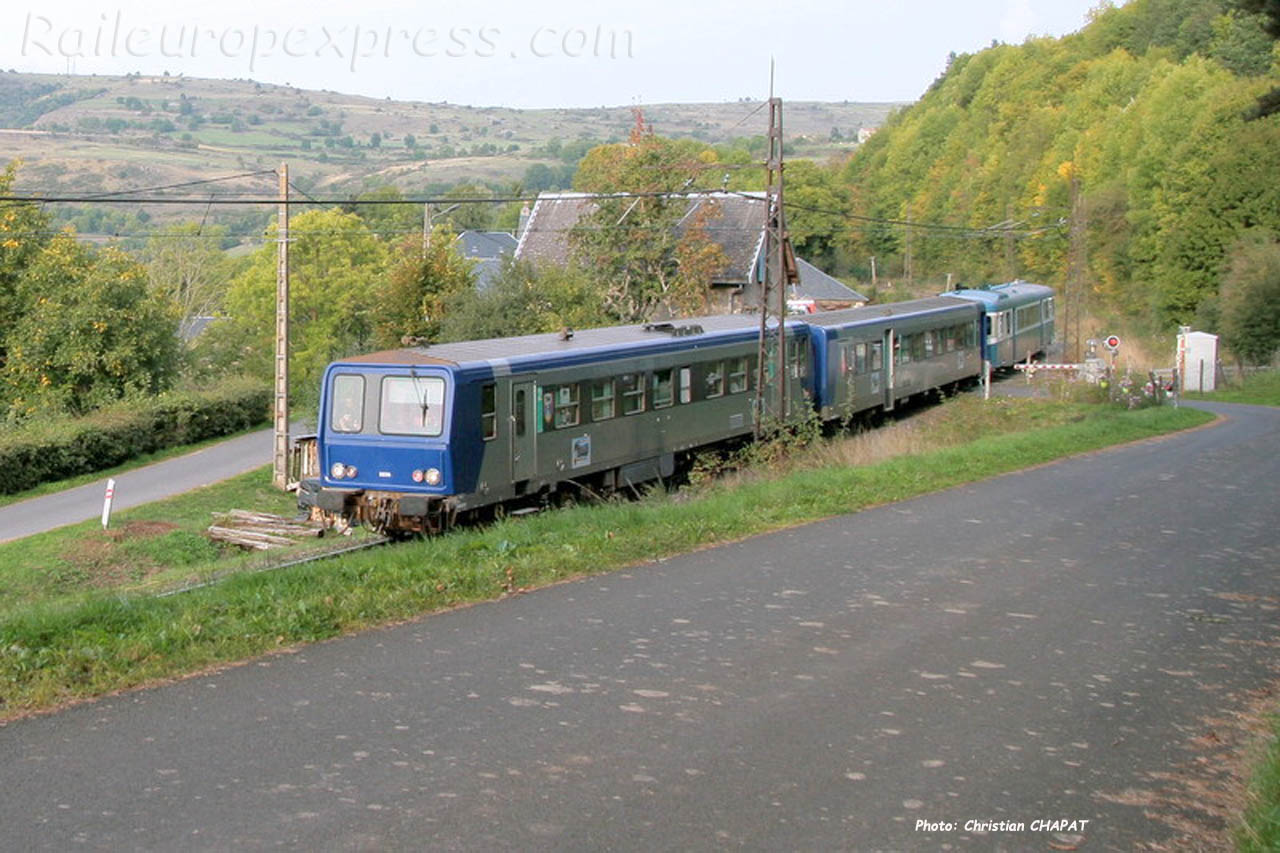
<point x="871" y="313"/>
<point x="555" y="343"/>
<point x="1018" y="291"/>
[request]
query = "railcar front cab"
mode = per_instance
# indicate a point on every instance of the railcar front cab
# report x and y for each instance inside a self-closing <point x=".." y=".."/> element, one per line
<point x="384" y="439"/>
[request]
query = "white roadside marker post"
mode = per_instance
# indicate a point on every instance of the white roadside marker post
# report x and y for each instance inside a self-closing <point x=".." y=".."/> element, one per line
<point x="106" y="503"/>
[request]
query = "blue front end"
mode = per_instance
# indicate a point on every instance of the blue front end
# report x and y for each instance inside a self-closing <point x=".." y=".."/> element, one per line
<point x="384" y="446"/>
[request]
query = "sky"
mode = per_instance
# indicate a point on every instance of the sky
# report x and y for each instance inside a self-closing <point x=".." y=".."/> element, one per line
<point x="550" y="53"/>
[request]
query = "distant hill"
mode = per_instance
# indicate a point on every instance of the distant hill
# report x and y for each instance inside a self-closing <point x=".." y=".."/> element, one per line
<point x="87" y="134"/>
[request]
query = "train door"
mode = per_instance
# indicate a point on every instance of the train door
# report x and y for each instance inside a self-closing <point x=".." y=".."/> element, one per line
<point x="523" y="433"/>
<point x="890" y="341"/>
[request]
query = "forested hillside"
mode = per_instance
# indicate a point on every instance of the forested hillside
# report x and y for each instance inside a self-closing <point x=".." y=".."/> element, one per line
<point x="1138" y="134"/>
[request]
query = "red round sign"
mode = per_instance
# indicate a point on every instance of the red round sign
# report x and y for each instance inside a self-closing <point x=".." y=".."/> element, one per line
<point x="1113" y="342"/>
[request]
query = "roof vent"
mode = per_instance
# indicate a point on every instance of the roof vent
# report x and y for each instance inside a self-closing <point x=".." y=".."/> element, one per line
<point x="674" y="330"/>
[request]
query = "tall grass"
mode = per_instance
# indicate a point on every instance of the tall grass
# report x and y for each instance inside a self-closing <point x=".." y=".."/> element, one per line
<point x="1259" y="829"/>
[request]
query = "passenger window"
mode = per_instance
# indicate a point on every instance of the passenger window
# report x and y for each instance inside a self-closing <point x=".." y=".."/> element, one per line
<point x="860" y="358"/>
<point x="517" y="412"/>
<point x="489" y="411"/>
<point x="877" y="356"/>
<point x="632" y="385"/>
<point x="738" y="373"/>
<point x="567" y="413"/>
<point x="796" y="355"/>
<point x="686" y="385"/>
<point x="714" y="380"/>
<point x="602" y="400"/>
<point x="663" y="393"/>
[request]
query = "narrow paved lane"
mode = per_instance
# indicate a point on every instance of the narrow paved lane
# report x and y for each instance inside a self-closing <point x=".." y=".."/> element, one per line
<point x="1049" y="645"/>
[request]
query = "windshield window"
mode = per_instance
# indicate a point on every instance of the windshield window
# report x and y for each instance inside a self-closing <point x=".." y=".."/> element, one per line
<point x="412" y="405"/>
<point x="347" y="411"/>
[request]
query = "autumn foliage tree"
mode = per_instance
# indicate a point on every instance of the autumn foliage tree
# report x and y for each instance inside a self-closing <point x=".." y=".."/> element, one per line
<point x="635" y="242"/>
<point x="23" y="234"/>
<point x="424" y="281"/>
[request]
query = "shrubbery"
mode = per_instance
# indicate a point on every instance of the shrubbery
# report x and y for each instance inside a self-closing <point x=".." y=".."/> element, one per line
<point x="49" y="450"/>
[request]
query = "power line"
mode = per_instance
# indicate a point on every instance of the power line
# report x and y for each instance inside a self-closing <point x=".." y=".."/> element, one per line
<point x="209" y="201"/>
<point x="161" y="188"/>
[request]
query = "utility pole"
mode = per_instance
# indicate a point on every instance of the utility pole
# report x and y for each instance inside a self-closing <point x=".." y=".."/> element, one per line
<point x="1077" y="270"/>
<point x="426" y="229"/>
<point x="1010" y="267"/>
<point x="779" y="271"/>
<point x="908" y="262"/>
<point x="280" y="455"/>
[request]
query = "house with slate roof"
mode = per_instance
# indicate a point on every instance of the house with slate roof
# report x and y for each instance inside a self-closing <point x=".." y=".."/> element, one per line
<point x="736" y="221"/>
<point x="485" y="250"/>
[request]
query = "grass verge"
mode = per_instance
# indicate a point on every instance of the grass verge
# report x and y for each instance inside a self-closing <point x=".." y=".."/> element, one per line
<point x="1262" y="389"/>
<point x="1259" y="828"/>
<point x="97" y="641"/>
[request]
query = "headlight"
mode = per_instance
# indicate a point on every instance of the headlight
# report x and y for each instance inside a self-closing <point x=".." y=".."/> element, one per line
<point x="338" y="471"/>
<point x="433" y="476"/>
<point x="417" y="475"/>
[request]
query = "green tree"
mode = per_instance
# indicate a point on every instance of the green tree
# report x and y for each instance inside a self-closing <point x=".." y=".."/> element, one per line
<point x="523" y="299"/>
<point x="337" y="268"/>
<point x="92" y="333"/>
<point x="466" y="215"/>
<point x="392" y="220"/>
<point x="1268" y="16"/>
<point x="1250" y="298"/>
<point x="816" y="204"/>
<point x="186" y="265"/>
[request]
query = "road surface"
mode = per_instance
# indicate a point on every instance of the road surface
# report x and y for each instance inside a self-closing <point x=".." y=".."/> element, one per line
<point x="1057" y="653"/>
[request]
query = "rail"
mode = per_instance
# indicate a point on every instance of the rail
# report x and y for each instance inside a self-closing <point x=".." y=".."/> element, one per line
<point x="272" y="566"/>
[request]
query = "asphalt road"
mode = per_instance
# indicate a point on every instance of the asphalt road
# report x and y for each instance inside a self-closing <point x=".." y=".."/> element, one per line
<point x="1060" y="644"/>
<point x="152" y="483"/>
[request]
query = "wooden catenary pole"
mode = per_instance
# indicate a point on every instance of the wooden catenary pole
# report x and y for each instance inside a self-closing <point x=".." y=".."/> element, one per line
<point x="280" y="454"/>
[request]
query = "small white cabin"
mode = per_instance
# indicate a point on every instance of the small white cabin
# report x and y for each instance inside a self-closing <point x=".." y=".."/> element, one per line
<point x="1197" y="360"/>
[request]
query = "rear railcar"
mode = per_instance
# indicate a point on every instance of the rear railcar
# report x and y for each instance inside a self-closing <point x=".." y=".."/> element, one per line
<point x="1018" y="323"/>
<point x="877" y="356"/>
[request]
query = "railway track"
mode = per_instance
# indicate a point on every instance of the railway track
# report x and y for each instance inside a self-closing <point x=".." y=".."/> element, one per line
<point x="272" y="565"/>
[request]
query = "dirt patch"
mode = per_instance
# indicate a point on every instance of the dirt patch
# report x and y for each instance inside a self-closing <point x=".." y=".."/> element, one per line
<point x="104" y="560"/>
<point x="140" y="530"/>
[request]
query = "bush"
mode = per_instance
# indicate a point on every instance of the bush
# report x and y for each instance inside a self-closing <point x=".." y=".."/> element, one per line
<point x="56" y="449"/>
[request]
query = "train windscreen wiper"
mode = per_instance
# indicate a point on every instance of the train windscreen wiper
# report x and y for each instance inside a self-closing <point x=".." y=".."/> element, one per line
<point x="422" y="395"/>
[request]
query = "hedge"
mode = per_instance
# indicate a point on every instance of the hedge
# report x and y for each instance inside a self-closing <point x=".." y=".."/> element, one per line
<point x="50" y="450"/>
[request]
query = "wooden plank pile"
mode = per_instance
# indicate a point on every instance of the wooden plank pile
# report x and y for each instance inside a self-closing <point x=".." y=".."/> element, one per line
<point x="260" y="530"/>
